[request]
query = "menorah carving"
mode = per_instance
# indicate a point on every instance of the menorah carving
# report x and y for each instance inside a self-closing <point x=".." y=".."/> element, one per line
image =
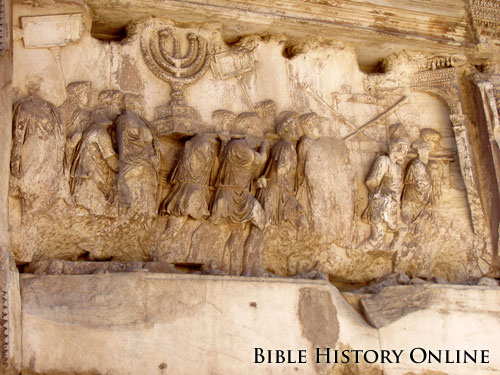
<point x="162" y="55"/>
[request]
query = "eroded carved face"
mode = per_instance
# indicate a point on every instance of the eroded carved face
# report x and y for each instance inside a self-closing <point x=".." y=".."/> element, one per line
<point x="432" y="137"/>
<point x="249" y="124"/>
<point x="398" y="150"/>
<point x="34" y="87"/>
<point x="133" y="103"/>
<point x="114" y="105"/>
<point x="313" y="132"/>
<point x="310" y="124"/>
<point x="252" y="140"/>
<point x="289" y="129"/>
<point x="83" y="96"/>
<point x="79" y="93"/>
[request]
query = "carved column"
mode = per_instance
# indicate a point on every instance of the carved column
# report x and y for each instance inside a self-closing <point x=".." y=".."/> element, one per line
<point x="489" y="106"/>
<point x="488" y="122"/>
<point x="10" y="300"/>
<point x="468" y="171"/>
<point x="444" y="84"/>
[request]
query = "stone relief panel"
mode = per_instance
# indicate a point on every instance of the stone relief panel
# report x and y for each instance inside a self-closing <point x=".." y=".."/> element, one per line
<point x="177" y="148"/>
<point x="485" y="19"/>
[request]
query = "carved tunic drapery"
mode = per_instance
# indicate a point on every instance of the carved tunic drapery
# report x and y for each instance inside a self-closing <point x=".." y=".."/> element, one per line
<point x="417" y="190"/>
<point x="386" y="180"/>
<point x="190" y="192"/>
<point x="233" y="199"/>
<point x="94" y="169"/>
<point x="277" y="198"/>
<point x="37" y="151"/>
<point x="139" y="164"/>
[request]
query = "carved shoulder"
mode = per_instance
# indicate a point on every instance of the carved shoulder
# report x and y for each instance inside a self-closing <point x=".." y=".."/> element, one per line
<point x="378" y="171"/>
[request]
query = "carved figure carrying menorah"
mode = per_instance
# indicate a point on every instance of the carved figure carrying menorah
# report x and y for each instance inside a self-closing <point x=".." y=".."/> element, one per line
<point x="162" y="55"/>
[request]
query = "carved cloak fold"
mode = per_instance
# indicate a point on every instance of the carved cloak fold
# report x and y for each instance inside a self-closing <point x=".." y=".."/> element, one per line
<point x="190" y="193"/>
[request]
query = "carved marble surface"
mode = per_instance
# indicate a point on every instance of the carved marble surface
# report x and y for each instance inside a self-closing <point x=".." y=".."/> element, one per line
<point x="182" y="149"/>
<point x="154" y="152"/>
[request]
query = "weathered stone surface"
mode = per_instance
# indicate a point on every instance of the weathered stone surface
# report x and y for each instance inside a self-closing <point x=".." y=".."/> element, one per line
<point x="437" y="317"/>
<point x="441" y="26"/>
<point x="308" y="193"/>
<point x="51" y="31"/>
<point x="356" y="142"/>
<point x="132" y="323"/>
<point x="279" y="314"/>
<point x="487" y="281"/>
<point x="390" y="280"/>
<point x="318" y="317"/>
<point x="61" y="267"/>
<point x="417" y="281"/>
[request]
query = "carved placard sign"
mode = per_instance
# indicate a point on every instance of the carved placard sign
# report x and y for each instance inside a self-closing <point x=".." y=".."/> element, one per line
<point x="234" y="63"/>
<point x="51" y="31"/>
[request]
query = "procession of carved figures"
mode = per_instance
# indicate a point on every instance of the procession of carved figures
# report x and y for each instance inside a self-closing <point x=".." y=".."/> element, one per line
<point x="100" y="182"/>
<point x="108" y="162"/>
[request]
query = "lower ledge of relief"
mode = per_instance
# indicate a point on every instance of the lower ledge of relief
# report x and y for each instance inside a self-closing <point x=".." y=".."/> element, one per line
<point x="154" y="323"/>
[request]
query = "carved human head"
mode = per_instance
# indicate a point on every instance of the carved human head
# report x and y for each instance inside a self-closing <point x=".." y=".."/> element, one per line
<point x="224" y="121"/>
<point x="100" y="116"/>
<point x="423" y="148"/>
<point x="398" y="148"/>
<point x="200" y="148"/>
<point x="397" y="131"/>
<point x="248" y="123"/>
<point x="133" y="102"/>
<point x="34" y="86"/>
<point x="432" y="137"/>
<point x="212" y="265"/>
<point x="311" y="125"/>
<point x="112" y="101"/>
<point x="288" y="125"/>
<point x="79" y="92"/>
